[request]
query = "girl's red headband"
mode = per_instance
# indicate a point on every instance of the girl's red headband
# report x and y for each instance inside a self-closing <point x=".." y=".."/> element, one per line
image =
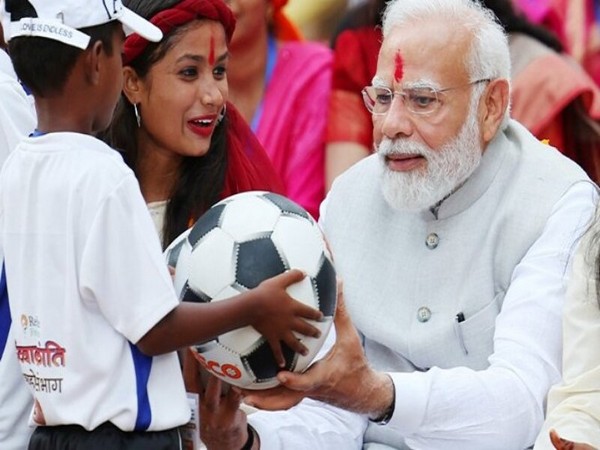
<point x="180" y="14"/>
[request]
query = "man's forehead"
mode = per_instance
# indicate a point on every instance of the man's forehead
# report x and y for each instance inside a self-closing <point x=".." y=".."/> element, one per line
<point x="407" y="83"/>
<point x="413" y="55"/>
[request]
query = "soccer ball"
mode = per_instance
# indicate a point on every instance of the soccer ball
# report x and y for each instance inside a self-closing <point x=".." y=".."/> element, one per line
<point x="239" y="242"/>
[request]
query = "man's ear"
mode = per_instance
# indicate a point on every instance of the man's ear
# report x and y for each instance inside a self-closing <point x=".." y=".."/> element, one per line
<point x="494" y="103"/>
<point x="132" y="85"/>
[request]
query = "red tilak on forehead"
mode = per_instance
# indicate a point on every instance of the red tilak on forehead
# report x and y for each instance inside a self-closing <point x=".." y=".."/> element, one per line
<point x="399" y="70"/>
<point x="211" y="54"/>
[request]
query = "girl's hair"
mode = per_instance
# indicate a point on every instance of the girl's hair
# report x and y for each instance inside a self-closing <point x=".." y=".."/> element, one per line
<point x="200" y="180"/>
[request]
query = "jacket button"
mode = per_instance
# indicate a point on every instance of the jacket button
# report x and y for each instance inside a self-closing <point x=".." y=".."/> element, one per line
<point x="423" y="314"/>
<point x="432" y="241"/>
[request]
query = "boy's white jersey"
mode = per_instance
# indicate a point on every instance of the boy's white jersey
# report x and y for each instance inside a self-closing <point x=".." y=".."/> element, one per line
<point x="86" y="280"/>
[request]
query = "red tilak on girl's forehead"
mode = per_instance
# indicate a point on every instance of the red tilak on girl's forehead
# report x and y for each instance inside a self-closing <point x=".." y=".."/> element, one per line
<point x="211" y="54"/>
<point x="399" y="68"/>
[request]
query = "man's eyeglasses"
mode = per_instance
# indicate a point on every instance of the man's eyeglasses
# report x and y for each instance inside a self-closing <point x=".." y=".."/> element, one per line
<point x="419" y="100"/>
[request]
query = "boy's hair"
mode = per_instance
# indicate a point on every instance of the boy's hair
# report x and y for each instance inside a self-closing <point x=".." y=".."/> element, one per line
<point x="43" y="65"/>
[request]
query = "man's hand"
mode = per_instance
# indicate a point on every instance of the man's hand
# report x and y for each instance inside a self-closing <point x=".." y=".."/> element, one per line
<point x="342" y="378"/>
<point x="563" y="444"/>
<point x="222" y="424"/>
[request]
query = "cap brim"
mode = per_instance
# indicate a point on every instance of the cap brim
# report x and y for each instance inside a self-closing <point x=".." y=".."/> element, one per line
<point x="132" y="23"/>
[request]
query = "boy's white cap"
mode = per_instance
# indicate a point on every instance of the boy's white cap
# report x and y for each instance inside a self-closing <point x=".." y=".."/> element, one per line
<point x="60" y="19"/>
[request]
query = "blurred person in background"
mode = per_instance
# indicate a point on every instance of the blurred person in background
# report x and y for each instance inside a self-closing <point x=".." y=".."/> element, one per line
<point x="575" y="23"/>
<point x="281" y="85"/>
<point x="349" y="129"/>
<point x="317" y="20"/>
<point x="552" y="95"/>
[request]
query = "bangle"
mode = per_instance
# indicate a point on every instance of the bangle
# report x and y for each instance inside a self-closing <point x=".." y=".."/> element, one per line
<point x="388" y="413"/>
<point x="250" y="441"/>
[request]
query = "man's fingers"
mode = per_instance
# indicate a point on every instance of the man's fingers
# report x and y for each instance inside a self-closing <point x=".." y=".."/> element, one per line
<point x="302" y="382"/>
<point x="233" y="399"/>
<point x="275" y="399"/>
<point x="212" y="393"/>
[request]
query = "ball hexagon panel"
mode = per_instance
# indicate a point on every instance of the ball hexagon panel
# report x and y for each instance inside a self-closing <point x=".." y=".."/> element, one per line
<point x="237" y="340"/>
<point x="304" y="253"/>
<point x="249" y="217"/>
<point x="210" y="269"/>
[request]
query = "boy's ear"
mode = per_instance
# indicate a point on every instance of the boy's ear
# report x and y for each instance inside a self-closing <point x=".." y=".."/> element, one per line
<point x="132" y="85"/>
<point x="93" y="62"/>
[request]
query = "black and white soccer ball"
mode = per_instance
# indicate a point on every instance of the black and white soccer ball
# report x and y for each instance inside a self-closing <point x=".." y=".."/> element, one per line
<point x="239" y="242"/>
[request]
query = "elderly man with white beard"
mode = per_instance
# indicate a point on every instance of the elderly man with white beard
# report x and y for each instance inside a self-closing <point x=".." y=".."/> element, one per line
<point x="453" y="242"/>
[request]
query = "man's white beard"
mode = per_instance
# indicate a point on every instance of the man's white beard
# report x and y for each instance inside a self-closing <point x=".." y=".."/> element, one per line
<point x="446" y="168"/>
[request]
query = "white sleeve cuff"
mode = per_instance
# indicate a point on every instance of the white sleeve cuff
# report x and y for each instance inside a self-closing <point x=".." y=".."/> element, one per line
<point x="412" y="393"/>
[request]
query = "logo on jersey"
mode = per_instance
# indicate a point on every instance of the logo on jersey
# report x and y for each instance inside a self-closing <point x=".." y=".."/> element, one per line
<point x="31" y="326"/>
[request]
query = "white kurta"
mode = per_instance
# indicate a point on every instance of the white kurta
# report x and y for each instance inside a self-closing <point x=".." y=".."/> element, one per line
<point x="497" y="252"/>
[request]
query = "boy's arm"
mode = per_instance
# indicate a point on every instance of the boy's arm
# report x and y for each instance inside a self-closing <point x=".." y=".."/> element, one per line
<point x="268" y="308"/>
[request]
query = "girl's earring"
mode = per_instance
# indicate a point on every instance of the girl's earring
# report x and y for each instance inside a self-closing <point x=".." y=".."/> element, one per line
<point x="138" y="118"/>
<point x="222" y="114"/>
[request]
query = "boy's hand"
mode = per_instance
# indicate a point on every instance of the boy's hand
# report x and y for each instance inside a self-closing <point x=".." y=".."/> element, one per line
<point x="278" y="315"/>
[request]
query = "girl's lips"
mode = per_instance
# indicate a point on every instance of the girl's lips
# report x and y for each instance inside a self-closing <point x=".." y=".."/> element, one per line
<point x="404" y="163"/>
<point x="203" y="126"/>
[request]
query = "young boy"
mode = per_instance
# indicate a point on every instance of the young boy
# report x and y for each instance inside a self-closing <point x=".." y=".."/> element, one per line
<point x="91" y="298"/>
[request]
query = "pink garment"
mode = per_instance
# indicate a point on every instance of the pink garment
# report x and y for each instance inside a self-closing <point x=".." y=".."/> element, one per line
<point x="294" y="120"/>
<point x="576" y="25"/>
<point x="535" y="10"/>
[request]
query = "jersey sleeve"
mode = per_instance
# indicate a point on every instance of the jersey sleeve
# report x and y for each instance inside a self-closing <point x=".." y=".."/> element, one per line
<point x="122" y="268"/>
